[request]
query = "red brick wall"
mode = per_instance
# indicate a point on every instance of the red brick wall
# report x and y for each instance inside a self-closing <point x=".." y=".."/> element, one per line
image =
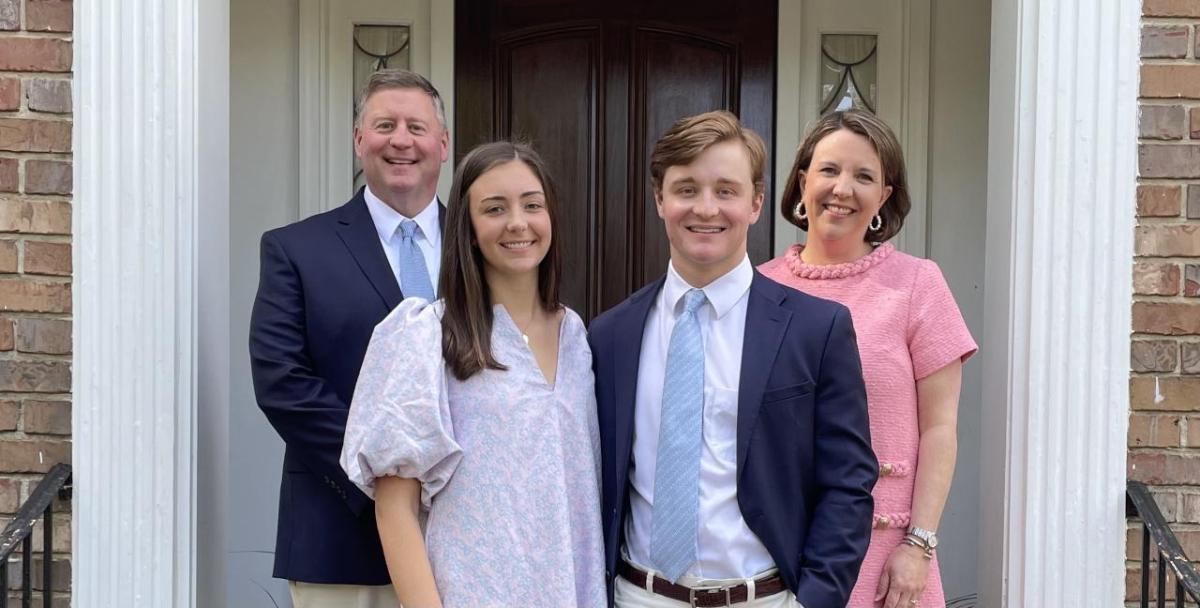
<point x="1164" y="423"/>
<point x="35" y="261"/>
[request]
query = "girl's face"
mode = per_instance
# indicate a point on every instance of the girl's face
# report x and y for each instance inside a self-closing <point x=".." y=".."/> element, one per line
<point x="843" y="187"/>
<point x="510" y="218"/>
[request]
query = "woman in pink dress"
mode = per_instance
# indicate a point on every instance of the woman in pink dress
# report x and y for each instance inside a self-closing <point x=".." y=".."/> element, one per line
<point x="847" y="189"/>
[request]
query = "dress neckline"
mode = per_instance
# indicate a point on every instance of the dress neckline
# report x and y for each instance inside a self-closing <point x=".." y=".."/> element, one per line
<point x="835" y="271"/>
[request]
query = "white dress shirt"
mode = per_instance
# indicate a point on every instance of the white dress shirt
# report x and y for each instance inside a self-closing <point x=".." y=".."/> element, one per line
<point x="726" y="548"/>
<point x="429" y="234"/>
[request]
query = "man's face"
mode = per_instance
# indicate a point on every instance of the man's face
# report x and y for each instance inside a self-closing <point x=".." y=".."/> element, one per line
<point x="401" y="145"/>
<point x="708" y="207"/>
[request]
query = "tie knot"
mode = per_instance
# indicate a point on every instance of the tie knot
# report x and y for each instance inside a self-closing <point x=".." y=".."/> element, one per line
<point x="693" y="299"/>
<point x="408" y="228"/>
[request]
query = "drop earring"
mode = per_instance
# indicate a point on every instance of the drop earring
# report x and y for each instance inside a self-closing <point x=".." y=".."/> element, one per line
<point x="876" y="223"/>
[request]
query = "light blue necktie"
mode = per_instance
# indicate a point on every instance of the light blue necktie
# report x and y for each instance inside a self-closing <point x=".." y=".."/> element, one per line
<point x="680" y="434"/>
<point x="414" y="275"/>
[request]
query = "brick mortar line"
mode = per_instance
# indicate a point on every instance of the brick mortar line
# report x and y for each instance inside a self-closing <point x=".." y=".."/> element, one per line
<point x="24" y="33"/>
<point x="1185" y="60"/>
<point x="1168" y="220"/>
<point x="38" y="115"/>
<point x="1177" y="259"/>
<point x="1171" y="451"/>
<point x="28" y="74"/>
<point x="57" y="279"/>
<point x="1157" y="102"/>
<point x="1167" y="181"/>
<point x="1169" y="20"/>
<point x="62" y="198"/>
<point x="1164" y="299"/>
<point x="61" y="156"/>
<point x="65" y="278"/>
<point x="29" y="396"/>
<point x="1179" y="143"/>
<point x="14" y="355"/>
<point x="33" y="314"/>
<point x="50" y="238"/>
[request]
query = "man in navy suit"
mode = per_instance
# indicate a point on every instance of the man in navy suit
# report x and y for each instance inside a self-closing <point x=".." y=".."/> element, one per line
<point x="325" y="282"/>
<point x="737" y="462"/>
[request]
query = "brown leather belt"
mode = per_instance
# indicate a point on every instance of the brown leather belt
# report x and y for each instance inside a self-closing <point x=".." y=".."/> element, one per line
<point x="701" y="598"/>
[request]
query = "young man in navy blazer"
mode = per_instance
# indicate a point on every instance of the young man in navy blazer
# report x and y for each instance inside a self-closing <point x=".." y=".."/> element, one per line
<point x="737" y="462"/>
<point x="325" y="282"/>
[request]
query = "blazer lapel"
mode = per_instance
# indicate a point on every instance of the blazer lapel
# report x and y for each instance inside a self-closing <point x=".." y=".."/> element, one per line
<point x="627" y="354"/>
<point x="357" y="231"/>
<point x="766" y="324"/>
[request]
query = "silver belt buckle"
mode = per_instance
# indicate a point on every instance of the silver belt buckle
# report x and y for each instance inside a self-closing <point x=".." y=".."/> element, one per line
<point x="692" y="595"/>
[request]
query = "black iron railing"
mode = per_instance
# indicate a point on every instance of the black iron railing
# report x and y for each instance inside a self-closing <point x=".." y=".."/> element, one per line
<point x="20" y="532"/>
<point x="1140" y="503"/>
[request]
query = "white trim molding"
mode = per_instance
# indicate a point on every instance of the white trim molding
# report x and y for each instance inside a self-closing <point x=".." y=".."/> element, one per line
<point x="1061" y="184"/>
<point x="139" y="156"/>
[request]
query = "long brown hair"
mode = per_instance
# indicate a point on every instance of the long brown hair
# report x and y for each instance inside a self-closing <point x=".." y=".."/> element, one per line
<point x="891" y="159"/>
<point x="467" y="322"/>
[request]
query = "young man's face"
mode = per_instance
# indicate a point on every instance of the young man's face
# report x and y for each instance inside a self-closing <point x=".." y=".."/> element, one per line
<point x="708" y="207"/>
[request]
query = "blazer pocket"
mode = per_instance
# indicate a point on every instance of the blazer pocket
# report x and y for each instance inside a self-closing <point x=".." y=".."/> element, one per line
<point x="787" y="392"/>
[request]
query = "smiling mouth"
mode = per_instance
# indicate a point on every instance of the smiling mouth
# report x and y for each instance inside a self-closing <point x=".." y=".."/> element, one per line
<point x="706" y="229"/>
<point x="400" y="161"/>
<point x="838" y="210"/>
<point x="518" y="244"/>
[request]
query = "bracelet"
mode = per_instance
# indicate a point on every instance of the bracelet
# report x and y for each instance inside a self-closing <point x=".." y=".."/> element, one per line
<point x="918" y="542"/>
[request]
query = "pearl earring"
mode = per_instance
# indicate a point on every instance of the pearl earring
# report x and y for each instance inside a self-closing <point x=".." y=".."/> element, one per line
<point x="876" y="223"/>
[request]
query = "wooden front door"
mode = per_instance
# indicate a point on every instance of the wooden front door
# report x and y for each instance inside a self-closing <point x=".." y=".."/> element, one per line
<point x="591" y="86"/>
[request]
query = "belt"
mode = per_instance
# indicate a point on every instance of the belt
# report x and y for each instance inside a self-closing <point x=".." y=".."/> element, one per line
<point x="700" y="598"/>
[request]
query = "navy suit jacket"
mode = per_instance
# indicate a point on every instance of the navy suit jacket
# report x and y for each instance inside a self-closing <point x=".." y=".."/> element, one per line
<point x="805" y="467"/>
<point x="325" y="283"/>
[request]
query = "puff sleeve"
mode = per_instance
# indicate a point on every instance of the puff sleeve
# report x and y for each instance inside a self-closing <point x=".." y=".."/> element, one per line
<point x="400" y="422"/>
<point x="937" y="333"/>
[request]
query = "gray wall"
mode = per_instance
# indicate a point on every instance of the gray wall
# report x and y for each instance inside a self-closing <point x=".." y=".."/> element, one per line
<point x="957" y="228"/>
<point x="263" y="177"/>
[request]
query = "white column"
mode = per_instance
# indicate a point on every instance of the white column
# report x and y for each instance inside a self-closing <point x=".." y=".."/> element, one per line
<point x="1062" y="163"/>
<point x="140" y="166"/>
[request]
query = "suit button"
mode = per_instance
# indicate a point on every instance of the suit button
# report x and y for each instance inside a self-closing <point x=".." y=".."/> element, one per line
<point x="886" y="469"/>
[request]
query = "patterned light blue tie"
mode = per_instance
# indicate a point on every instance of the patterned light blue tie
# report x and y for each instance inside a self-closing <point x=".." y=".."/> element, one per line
<point x="680" y="434"/>
<point x="414" y="275"/>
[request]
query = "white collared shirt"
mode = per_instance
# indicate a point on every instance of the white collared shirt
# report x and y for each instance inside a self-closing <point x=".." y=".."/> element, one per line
<point x="726" y="548"/>
<point x="429" y="236"/>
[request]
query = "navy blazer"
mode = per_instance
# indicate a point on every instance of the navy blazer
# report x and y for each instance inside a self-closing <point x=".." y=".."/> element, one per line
<point x="805" y="467"/>
<point x="324" y="284"/>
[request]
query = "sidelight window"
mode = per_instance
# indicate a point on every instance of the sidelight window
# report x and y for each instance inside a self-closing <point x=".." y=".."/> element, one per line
<point x="848" y="72"/>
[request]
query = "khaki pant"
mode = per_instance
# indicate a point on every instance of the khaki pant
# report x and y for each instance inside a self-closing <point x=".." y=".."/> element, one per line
<point x="311" y="595"/>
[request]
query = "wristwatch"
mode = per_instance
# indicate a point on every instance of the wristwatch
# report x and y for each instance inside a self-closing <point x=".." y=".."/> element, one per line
<point x="928" y="537"/>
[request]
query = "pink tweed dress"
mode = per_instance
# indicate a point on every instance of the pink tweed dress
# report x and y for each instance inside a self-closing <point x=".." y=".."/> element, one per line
<point x="908" y="327"/>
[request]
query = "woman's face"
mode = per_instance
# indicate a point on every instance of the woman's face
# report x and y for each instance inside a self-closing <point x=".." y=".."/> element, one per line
<point x="843" y="187"/>
<point x="510" y="218"/>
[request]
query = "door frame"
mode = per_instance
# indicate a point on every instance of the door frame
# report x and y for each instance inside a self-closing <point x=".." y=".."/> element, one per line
<point x="1038" y="463"/>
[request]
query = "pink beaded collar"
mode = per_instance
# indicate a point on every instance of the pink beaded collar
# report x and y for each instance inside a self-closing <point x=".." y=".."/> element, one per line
<point x="835" y="271"/>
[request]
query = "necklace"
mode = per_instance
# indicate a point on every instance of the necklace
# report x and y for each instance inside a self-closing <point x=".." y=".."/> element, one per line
<point x="524" y="335"/>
